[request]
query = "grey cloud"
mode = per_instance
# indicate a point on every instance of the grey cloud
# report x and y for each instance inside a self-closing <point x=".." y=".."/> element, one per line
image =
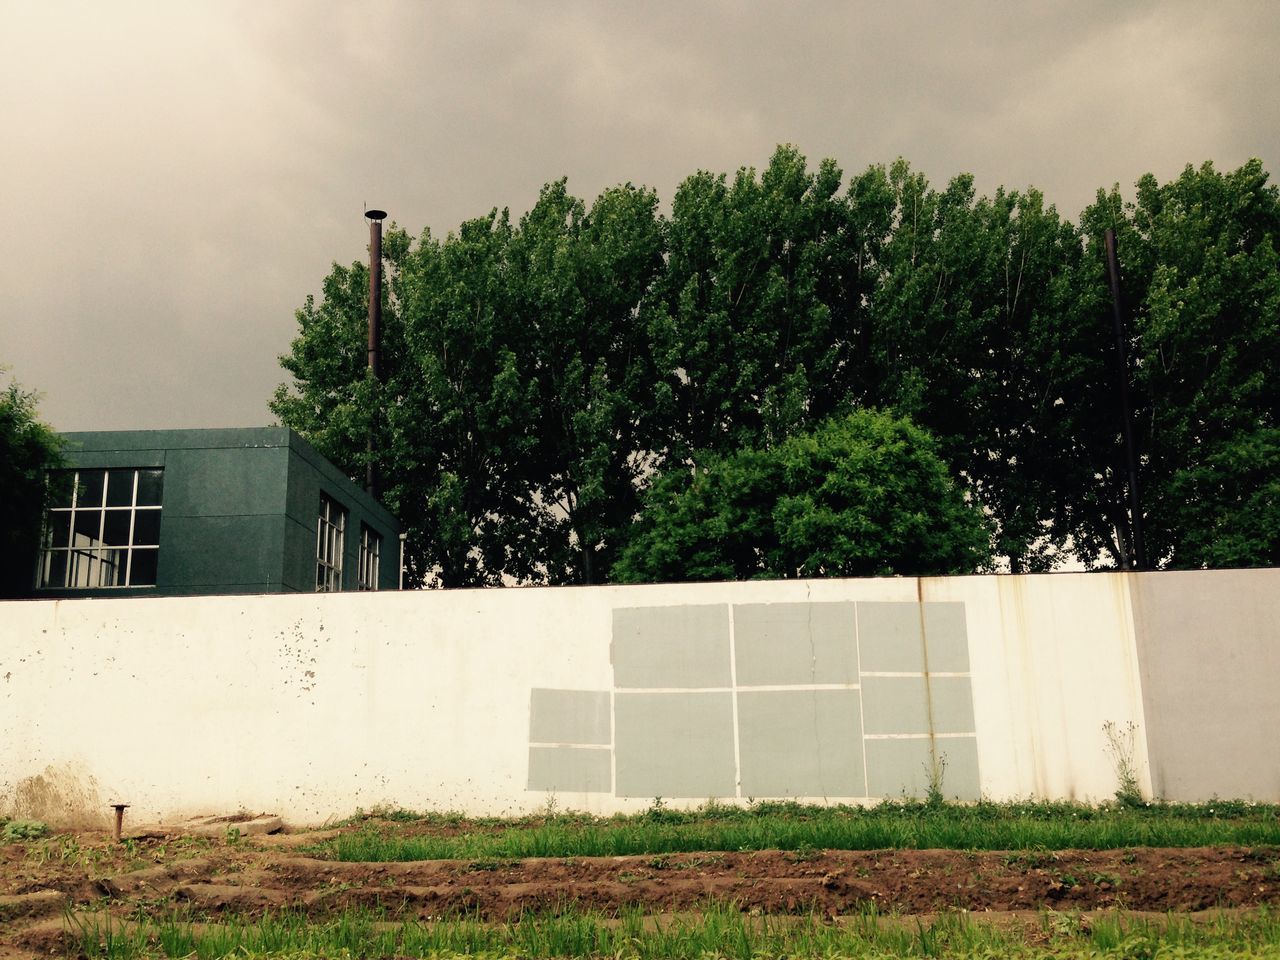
<point x="177" y="177"/>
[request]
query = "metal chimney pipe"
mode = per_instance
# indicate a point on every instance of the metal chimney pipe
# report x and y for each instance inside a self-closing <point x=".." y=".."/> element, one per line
<point x="375" y="218"/>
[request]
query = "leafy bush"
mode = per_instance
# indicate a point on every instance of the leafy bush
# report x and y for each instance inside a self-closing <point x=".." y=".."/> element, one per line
<point x="861" y="496"/>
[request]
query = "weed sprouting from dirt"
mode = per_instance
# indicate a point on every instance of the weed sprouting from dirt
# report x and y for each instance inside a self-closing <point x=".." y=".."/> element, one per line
<point x="1120" y="747"/>
<point x="936" y="772"/>
<point x="17" y="831"/>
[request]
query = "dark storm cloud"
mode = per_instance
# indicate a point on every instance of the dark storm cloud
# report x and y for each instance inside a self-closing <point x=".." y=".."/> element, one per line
<point x="177" y="177"/>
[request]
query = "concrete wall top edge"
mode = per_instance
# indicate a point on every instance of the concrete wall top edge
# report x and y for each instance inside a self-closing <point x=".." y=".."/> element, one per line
<point x="746" y="591"/>
<point x="899" y="589"/>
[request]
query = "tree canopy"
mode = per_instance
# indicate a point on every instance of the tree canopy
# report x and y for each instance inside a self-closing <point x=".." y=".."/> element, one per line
<point x="28" y="449"/>
<point x="540" y="374"/>
<point x="862" y="495"/>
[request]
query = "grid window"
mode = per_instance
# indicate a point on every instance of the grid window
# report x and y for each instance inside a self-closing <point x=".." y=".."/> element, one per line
<point x="102" y="530"/>
<point x="370" y="547"/>
<point x="330" y="531"/>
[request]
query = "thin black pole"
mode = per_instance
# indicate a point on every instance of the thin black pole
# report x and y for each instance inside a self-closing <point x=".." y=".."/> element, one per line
<point x="375" y="334"/>
<point x="1137" y="558"/>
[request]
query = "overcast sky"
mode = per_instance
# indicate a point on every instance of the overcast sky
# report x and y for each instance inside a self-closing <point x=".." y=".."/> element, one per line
<point x="176" y="177"/>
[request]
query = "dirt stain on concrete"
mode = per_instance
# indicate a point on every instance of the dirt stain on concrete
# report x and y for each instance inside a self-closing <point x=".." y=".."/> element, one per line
<point x="64" y="795"/>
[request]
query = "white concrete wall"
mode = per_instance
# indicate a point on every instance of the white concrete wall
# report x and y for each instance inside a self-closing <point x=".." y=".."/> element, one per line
<point x="311" y="706"/>
<point x="1209" y="646"/>
<point x="1053" y="661"/>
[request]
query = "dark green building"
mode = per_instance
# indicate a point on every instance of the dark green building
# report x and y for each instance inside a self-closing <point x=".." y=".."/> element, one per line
<point x="170" y="512"/>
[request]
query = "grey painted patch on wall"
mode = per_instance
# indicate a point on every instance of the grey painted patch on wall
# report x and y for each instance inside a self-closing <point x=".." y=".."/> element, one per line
<point x="951" y="703"/>
<point x="801" y="743"/>
<point x="946" y="638"/>
<point x="671" y="714"/>
<point x="904" y="705"/>
<point x="895" y="705"/>
<point x="889" y="638"/>
<point x="959" y="759"/>
<point x="904" y="767"/>
<point x="570" y="769"/>
<point x="674" y="744"/>
<point x="897" y="768"/>
<point x="569" y="716"/>
<point x="686" y="646"/>
<point x="792" y="643"/>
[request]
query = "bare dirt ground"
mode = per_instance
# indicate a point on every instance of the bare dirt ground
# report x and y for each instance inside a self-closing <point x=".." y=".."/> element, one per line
<point x="43" y="882"/>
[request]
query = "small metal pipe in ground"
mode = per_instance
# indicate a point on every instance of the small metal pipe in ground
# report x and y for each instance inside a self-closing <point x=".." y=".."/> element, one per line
<point x="119" y="825"/>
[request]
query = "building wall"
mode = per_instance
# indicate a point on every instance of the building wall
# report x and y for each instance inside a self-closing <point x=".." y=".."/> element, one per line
<point x="309" y="475"/>
<point x="497" y="701"/>
<point x="239" y="509"/>
<point x="222" y="526"/>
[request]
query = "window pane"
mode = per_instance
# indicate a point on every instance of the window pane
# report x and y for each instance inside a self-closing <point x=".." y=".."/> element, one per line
<point x="111" y="567"/>
<point x="82" y="566"/>
<point x="89" y="489"/>
<point x="115" y="529"/>
<point x="119" y="488"/>
<point x="55" y="569"/>
<point x="142" y="570"/>
<point x="58" y="530"/>
<point x="86" y="533"/>
<point x="329" y="526"/>
<point x="146" y="527"/>
<point x="150" y="487"/>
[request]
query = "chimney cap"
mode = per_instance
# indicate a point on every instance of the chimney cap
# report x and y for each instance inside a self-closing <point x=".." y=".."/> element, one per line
<point x="376" y="214"/>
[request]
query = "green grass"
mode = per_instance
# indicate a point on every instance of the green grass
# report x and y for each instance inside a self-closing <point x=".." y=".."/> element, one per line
<point x="775" y="826"/>
<point x="718" y="931"/>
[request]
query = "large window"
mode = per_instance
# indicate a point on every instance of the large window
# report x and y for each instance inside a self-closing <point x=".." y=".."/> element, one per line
<point x="329" y="544"/>
<point x="103" y="529"/>
<point x="370" y="547"/>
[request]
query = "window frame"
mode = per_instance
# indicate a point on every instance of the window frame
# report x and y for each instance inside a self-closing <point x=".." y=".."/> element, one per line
<point x="370" y="559"/>
<point x="86" y="563"/>
<point x="331" y="529"/>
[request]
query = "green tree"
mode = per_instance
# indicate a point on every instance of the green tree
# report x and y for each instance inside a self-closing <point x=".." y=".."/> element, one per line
<point x="331" y="398"/>
<point x="538" y="376"/>
<point x="28" y="449"/>
<point x="762" y="290"/>
<point x="863" y="495"/>
<point x="792" y="303"/>
<point x="602" y="410"/>
<point x="519" y="404"/>
<point x="974" y="333"/>
<point x="460" y="413"/>
<point x="1201" y="279"/>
